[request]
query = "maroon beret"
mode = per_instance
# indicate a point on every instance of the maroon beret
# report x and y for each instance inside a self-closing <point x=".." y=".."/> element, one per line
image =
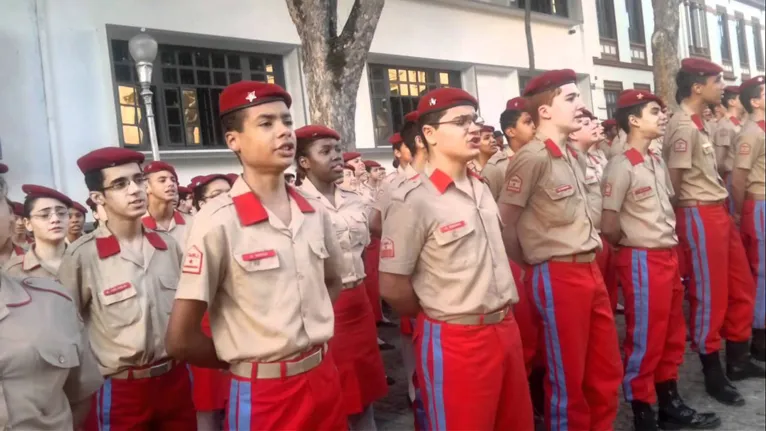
<point x="516" y="104"/>
<point x="609" y="123"/>
<point x="349" y="167"/>
<point x="548" y="80"/>
<point x="316" y="132"/>
<point x="92" y="205"/>
<point x="203" y="180"/>
<point x="351" y="156"/>
<point x="183" y="190"/>
<point x="752" y="82"/>
<point x="371" y="164"/>
<point x="636" y="97"/>
<point x="395" y="139"/>
<point x="232" y="178"/>
<point x="444" y="98"/>
<point x="412" y="117"/>
<point x="108" y="157"/>
<point x="159" y="166"/>
<point x="3" y="168"/>
<point x="34" y="191"/>
<point x="733" y="89"/>
<point x="487" y="129"/>
<point x="245" y="94"/>
<point x="79" y="207"/>
<point x="18" y="209"/>
<point x="700" y="66"/>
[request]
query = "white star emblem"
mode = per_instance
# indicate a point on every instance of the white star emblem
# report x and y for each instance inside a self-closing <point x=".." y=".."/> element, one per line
<point x="251" y="96"/>
<point x="432" y="102"/>
<point x="760" y="79"/>
<point x="640" y="96"/>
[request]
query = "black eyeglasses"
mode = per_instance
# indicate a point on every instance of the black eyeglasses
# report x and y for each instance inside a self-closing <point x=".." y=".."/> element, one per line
<point x="464" y="121"/>
<point x="122" y="183"/>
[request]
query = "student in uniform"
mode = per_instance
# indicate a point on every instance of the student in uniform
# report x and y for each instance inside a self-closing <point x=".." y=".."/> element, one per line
<point x="442" y="260"/>
<point x="207" y="187"/>
<point x="162" y="190"/>
<point x="97" y="211"/>
<point x="349" y="182"/>
<point x="22" y="238"/>
<point x="8" y="248"/>
<point x="549" y="227"/>
<point x="77" y="214"/>
<point x="726" y="133"/>
<point x="492" y="162"/>
<point x="354" y="347"/>
<point x="185" y="201"/>
<point x="748" y="194"/>
<point x="46" y="215"/>
<point x="123" y="278"/>
<point x="638" y="218"/>
<point x="517" y="125"/>
<point x="266" y="264"/>
<point x="721" y="289"/>
<point x="354" y="159"/>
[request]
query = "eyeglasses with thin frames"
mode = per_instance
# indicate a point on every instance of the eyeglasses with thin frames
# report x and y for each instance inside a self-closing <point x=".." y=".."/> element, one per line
<point x="61" y="213"/>
<point x="464" y="121"/>
<point x="121" y="184"/>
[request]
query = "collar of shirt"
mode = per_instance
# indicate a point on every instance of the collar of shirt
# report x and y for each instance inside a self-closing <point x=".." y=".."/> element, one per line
<point x="498" y="157"/>
<point x="762" y="125"/>
<point x="30" y="260"/>
<point x="442" y="181"/>
<point x="151" y="222"/>
<point x="734" y="120"/>
<point x="249" y="208"/>
<point x="308" y="188"/>
<point x="552" y="147"/>
<point x="108" y="245"/>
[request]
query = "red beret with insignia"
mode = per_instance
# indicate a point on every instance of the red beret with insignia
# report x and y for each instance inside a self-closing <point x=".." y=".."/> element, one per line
<point x="79" y="207"/>
<point x="733" y="89"/>
<point x="445" y="98"/>
<point x="108" y="157"/>
<point x="232" y="178"/>
<point x="516" y="104"/>
<point x="371" y="164"/>
<point x="395" y="139"/>
<point x="34" y="191"/>
<point x="92" y="205"/>
<point x="752" y="82"/>
<point x="157" y="166"/>
<point x="700" y="66"/>
<point x="412" y="117"/>
<point x="549" y="80"/>
<point x="351" y="156"/>
<point x="18" y="209"/>
<point x="204" y="180"/>
<point x="245" y="94"/>
<point x="487" y="129"/>
<point x="183" y="190"/>
<point x="609" y="123"/>
<point x="3" y="168"/>
<point x="316" y="132"/>
<point x="636" y="97"/>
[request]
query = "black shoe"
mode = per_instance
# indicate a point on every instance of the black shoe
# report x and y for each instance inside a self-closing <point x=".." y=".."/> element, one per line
<point x="385" y="346"/>
<point x="385" y="324"/>
<point x="536" y="378"/>
<point x="739" y="366"/>
<point x="758" y="345"/>
<point x="674" y="414"/>
<point x="644" y="418"/>
<point x="716" y="383"/>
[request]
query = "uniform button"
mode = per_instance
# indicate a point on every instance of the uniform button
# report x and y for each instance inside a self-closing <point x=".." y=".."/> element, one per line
<point x="62" y="359"/>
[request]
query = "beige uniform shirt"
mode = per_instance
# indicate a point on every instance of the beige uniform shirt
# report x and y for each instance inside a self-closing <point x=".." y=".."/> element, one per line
<point x="263" y="281"/>
<point x="550" y="185"/>
<point x="29" y="265"/>
<point x="494" y="173"/>
<point x="750" y="149"/>
<point x="616" y="146"/>
<point x="688" y="147"/>
<point x="597" y="158"/>
<point x="593" y="173"/>
<point x="384" y="198"/>
<point x="638" y="188"/>
<point x="725" y="136"/>
<point x="46" y="363"/>
<point x="124" y="297"/>
<point x="352" y="230"/>
<point x="178" y="226"/>
<point x="449" y="240"/>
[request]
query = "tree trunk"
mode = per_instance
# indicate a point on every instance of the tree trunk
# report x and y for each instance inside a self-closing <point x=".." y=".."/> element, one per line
<point x="528" y="31"/>
<point x="333" y="63"/>
<point x="665" y="49"/>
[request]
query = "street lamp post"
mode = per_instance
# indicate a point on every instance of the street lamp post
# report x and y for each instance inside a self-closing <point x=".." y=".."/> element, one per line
<point x="143" y="49"/>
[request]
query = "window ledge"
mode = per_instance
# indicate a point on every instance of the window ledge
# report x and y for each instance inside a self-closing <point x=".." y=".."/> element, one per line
<point x="212" y="153"/>
<point x="483" y="6"/>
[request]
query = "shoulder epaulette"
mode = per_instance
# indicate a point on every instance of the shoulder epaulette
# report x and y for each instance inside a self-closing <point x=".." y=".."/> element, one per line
<point x="401" y="192"/>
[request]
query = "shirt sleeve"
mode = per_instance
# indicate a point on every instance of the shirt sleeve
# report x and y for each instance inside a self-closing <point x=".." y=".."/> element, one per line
<point x="84" y="380"/>
<point x="70" y="276"/>
<point x="747" y="147"/>
<point x="202" y="265"/>
<point x="680" y="146"/>
<point x="402" y="240"/>
<point x="334" y="263"/>
<point x="615" y="186"/>
<point x="524" y="173"/>
<point x="495" y="178"/>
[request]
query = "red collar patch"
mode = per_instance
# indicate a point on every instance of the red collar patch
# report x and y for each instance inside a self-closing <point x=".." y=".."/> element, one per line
<point x="178" y="218"/>
<point x="18" y="250"/>
<point x="572" y="151"/>
<point x="698" y="122"/>
<point x="440" y="180"/>
<point x="762" y="125"/>
<point x="250" y="210"/>
<point x="108" y="246"/>
<point x="634" y="157"/>
<point x="149" y="222"/>
<point x="553" y="148"/>
<point x="734" y="120"/>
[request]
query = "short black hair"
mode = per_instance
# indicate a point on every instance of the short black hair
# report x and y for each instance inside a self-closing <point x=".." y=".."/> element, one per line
<point x="182" y="195"/>
<point x="408" y="133"/>
<point x="234" y="121"/>
<point x="94" y="181"/>
<point x="749" y="93"/>
<point x="509" y="118"/>
<point x="395" y="163"/>
<point x="431" y="119"/>
<point x="684" y="83"/>
<point x="289" y="174"/>
<point x="622" y="115"/>
<point x="727" y="97"/>
<point x="712" y="107"/>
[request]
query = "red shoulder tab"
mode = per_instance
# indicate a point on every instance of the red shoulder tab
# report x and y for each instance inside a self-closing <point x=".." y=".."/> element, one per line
<point x="634" y="157"/>
<point x="698" y="122"/>
<point x="553" y="148"/>
<point x="156" y="240"/>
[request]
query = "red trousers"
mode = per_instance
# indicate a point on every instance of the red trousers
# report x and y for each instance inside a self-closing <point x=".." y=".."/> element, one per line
<point x="155" y="403"/>
<point x="721" y="288"/>
<point x="581" y="351"/>
<point x="529" y="324"/>
<point x="472" y="376"/>
<point x="355" y="349"/>
<point x="605" y="260"/>
<point x="656" y="333"/>
<point x="306" y="402"/>
<point x="752" y="227"/>
<point x="371" y="262"/>
<point x="210" y="386"/>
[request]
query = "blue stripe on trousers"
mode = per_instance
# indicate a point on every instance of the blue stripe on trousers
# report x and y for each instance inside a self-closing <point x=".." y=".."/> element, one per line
<point x="244" y="409"/>
<point x="424" y="348"/>
<point x="760" y="295"/>
<point x="701" y="276"/>
<point x="640" y="280"/>
<point x="106" y="405"/>
<point x="556" y="374"/>
<point x="233" y="404"/>
<point x="438" y="385"/>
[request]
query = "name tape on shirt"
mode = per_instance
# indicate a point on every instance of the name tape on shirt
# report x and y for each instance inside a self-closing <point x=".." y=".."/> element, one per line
<point x="607" y="190"/>
<point x="117" y="289"/>
<point x="193" y="261"/>
<point x="452" y="226"/>
<point x="514" y="184"/>
<point x="680" y="146"/>
<point x="642" y="192"/>
<point x="258" y="255"/>
<point x="744" y="149"/>
<point x="563" y="189"/>
<point x="387" y="248"/>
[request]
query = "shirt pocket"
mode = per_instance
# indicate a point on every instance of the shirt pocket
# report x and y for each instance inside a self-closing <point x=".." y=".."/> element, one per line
<point x="452" y="244"/>
<point x="708" y="153"/>
<point x="358" y="230"/>
<point x="318" y="249"/>
<point x="257" y="260"/>
<point x="60" y="355"/>
<point x="121" y="304"/>
<point x="562" y="207"/>
<point x="643" y="192"/>
<point x="167" y="294"/>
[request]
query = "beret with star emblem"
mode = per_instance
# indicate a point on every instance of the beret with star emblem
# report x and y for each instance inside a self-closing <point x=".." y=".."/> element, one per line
<point x="245" y="94"/>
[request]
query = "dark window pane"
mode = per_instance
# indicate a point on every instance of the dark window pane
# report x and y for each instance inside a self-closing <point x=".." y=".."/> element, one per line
<point x="202" y="59"/>
<point x="378" y="88"/>
<point x="234" y="77"/>
<point x="256" y="64"/>
<point x="187" y="77"/>
<point x="377" y="73"/>
<point x="185" y="58"/>
<point x="175" y="133"/>
<point x="168" y="58"/>
<point x="203" y="77"/>
<point x="219" y="78"/>
<point x="120" y="51"/>
<point x="169" y="76"/>
<point x="233" y="61"/>
<point x="258" y="77"/>
<point x="219" y="60"/>
<point x="171" y="97"/>
<point x="123" y="73"/>
<point x="174" y="116"/>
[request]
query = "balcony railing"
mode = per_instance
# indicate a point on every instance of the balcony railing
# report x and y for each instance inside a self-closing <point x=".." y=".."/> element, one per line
<point x="638" y="53"/>
<point x="609" y="50"/>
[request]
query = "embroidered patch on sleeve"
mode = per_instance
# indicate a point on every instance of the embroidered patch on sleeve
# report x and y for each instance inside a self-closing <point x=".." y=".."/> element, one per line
<point x="193" y="261"/>
<point x="744" y="149"/>
<point x="607" y="190"/>
<point x="680" y="146"/>
<point x="514" y="184"/>
<point x="387" y="248"/>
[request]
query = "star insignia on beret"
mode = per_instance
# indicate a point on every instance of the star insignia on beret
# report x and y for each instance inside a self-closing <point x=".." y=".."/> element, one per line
<point x="251" y="96"/>
<point x="432" y="102"/>
<point x="640" y="96"/>
<point x="760" y="79"/>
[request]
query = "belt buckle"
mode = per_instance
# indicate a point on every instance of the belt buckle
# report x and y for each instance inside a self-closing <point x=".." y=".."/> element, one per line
<point x="159" y="370"/>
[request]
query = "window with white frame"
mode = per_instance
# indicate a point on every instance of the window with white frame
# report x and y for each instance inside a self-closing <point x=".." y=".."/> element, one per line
<point x="696" y="27"/>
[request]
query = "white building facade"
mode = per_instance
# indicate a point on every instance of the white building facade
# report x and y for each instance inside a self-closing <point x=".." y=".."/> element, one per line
<point x="728" y="32"/>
